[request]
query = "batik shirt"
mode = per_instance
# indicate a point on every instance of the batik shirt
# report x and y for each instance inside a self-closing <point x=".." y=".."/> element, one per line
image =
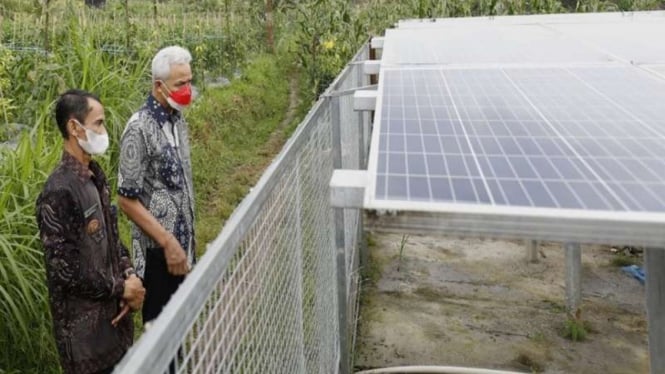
<point x="155" y="168"/>
<point x="86" y="267"/>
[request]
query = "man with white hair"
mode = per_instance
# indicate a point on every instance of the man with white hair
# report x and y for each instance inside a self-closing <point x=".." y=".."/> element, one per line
<point x="155" y="181"/>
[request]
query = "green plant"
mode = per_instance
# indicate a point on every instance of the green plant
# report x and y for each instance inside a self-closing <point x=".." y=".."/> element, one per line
<point x="575" y="328"/>
<point x="622" y="260"/>
<point x="402" y="245"/>
<point x="6" y="65"/>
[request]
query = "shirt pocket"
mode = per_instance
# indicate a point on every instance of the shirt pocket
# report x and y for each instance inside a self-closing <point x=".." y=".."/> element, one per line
<point x="170" y="168"/>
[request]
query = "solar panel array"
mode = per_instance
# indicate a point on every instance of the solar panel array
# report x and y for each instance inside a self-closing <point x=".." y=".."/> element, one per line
<point x="560" y="138"/>
<point x="520" y="115"/>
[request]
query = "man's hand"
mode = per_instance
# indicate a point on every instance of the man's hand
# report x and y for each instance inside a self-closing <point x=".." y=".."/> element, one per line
<point x="132" y="298"/>
<point x="176" y="260"/>
<point x="134" y="292"/>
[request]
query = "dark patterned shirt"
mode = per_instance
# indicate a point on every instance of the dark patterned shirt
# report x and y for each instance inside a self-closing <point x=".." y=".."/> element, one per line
<point x="155" y="168"/>
<point x="85" y="266"/>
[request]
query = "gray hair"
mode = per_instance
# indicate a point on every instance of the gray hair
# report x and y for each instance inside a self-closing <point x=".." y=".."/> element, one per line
<point x="167" y="57"/>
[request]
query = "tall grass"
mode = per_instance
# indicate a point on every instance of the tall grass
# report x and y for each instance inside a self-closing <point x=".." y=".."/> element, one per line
<point x="25" y="326"/>
<point x="121" y="83"/>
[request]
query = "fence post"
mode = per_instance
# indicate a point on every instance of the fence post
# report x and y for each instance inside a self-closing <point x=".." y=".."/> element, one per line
<point x="127" y="26"/>
<point x="342" y="305"/>
<point x="654" y="262"/>
<point x="46" y="12"/>
<point x="573" y="270"/>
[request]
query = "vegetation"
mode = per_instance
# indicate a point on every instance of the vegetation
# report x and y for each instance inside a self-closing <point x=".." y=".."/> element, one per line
<point x="47" y="46"/>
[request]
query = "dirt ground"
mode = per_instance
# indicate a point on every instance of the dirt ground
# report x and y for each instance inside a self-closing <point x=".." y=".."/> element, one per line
<point x="479" y="303"/>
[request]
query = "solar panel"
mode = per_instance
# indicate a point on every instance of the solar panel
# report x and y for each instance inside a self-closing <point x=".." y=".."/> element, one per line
<point x="657" y="69"/>
<point x="548" y="127"/>
<point x="562" y="138"/>
<point x="588" y="18"/>
<point x="633" y="42"/>
<point x="485" y="44"/>
<point x="529" y="39"/>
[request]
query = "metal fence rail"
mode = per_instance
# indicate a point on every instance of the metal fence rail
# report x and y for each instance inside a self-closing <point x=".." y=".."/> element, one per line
<point x="264" y="297"/>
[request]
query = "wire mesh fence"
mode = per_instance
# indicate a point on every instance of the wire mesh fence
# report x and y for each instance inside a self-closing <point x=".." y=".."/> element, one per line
<point x="264" y="298"/>
<point x="219" y="38"/>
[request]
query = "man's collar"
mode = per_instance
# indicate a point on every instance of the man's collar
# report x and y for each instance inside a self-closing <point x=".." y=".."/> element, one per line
<point x="70" y="162"/>
<point x="158" y="112"/>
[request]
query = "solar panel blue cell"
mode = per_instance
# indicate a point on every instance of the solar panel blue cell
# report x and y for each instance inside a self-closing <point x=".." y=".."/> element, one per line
<point x="436" y="165"/>
<point x="382" y="167"/>
<point x="419" y="188"/>
<point x="589" y="195"/>
<point x="529" y="146"/>
<point x="397" y="188"/>
<point x="567" y="169"/>
<point x="522" y="167"/>
<point x="441" y="189"/>
<point x="396" y="142"/>
<point x="414" y="143"/>
<point x="428" y="127"/>
<point x="416" y="164"/>
<point x="495" y="192"/>
<point x="563" y="195"/>
<point x="500" y="167"/>
<point x="432" y="144"/>
<point x="456" y="166"/>
<point x="509" y="146"/>
<point x="481" y="191"/>
<point x="396" y="163"/>
<point x="539" y="194"/>
<point x="383" y="142"/>
<point x="464" y="191"/>
<point x="514" y="192"/>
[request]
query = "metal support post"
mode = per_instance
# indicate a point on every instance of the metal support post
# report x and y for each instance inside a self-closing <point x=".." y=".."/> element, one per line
<point x="340" y="245"/>
<point x="573" y="270"/>
<point x="655" y="290"/>
<point x="342" y="305"/>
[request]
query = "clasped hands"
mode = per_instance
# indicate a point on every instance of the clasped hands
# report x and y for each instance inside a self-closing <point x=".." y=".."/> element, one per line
<point x="132" y="297"/>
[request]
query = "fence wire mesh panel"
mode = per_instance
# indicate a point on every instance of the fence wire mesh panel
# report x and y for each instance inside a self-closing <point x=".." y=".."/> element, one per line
<point x="264" y="297"/>
<point x="352" y="126"/>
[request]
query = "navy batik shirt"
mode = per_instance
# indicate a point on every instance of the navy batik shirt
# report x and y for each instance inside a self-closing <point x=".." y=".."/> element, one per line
<point x="155" y="167"/>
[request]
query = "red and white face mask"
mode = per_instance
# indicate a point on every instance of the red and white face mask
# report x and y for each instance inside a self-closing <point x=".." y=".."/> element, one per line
<point x="180" y="98"/>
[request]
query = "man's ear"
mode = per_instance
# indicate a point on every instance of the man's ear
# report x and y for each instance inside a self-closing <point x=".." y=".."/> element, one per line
<point x="72" y="128"/>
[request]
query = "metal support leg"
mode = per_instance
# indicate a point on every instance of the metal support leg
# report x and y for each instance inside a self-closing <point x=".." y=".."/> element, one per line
<point x="532" y="251"/>
<point x="573" y="270"/>
<point x="654" y="264"/>
<point x="341" y="293"/>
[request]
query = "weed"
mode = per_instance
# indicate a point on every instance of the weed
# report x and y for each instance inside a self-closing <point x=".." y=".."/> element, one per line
<point x="621" y="260"/>
<point x="575" y="328"/>
<point x="529" y="363"/>
<point x="402" y="245"/>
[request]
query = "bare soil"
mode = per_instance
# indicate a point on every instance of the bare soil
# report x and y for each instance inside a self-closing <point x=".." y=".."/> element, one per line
<point x="479" y="303"/>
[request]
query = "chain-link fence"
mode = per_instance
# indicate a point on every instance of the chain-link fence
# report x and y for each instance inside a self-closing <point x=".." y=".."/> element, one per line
<point x="265" y="298"/>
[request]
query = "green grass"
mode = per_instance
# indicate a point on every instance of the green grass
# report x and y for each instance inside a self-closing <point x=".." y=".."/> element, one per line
<point x="621" y="260"/>
<point x="230" y="127"/>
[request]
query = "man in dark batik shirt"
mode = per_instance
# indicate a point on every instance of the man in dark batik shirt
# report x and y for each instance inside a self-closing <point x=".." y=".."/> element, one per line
<point x="91" y="282"/>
